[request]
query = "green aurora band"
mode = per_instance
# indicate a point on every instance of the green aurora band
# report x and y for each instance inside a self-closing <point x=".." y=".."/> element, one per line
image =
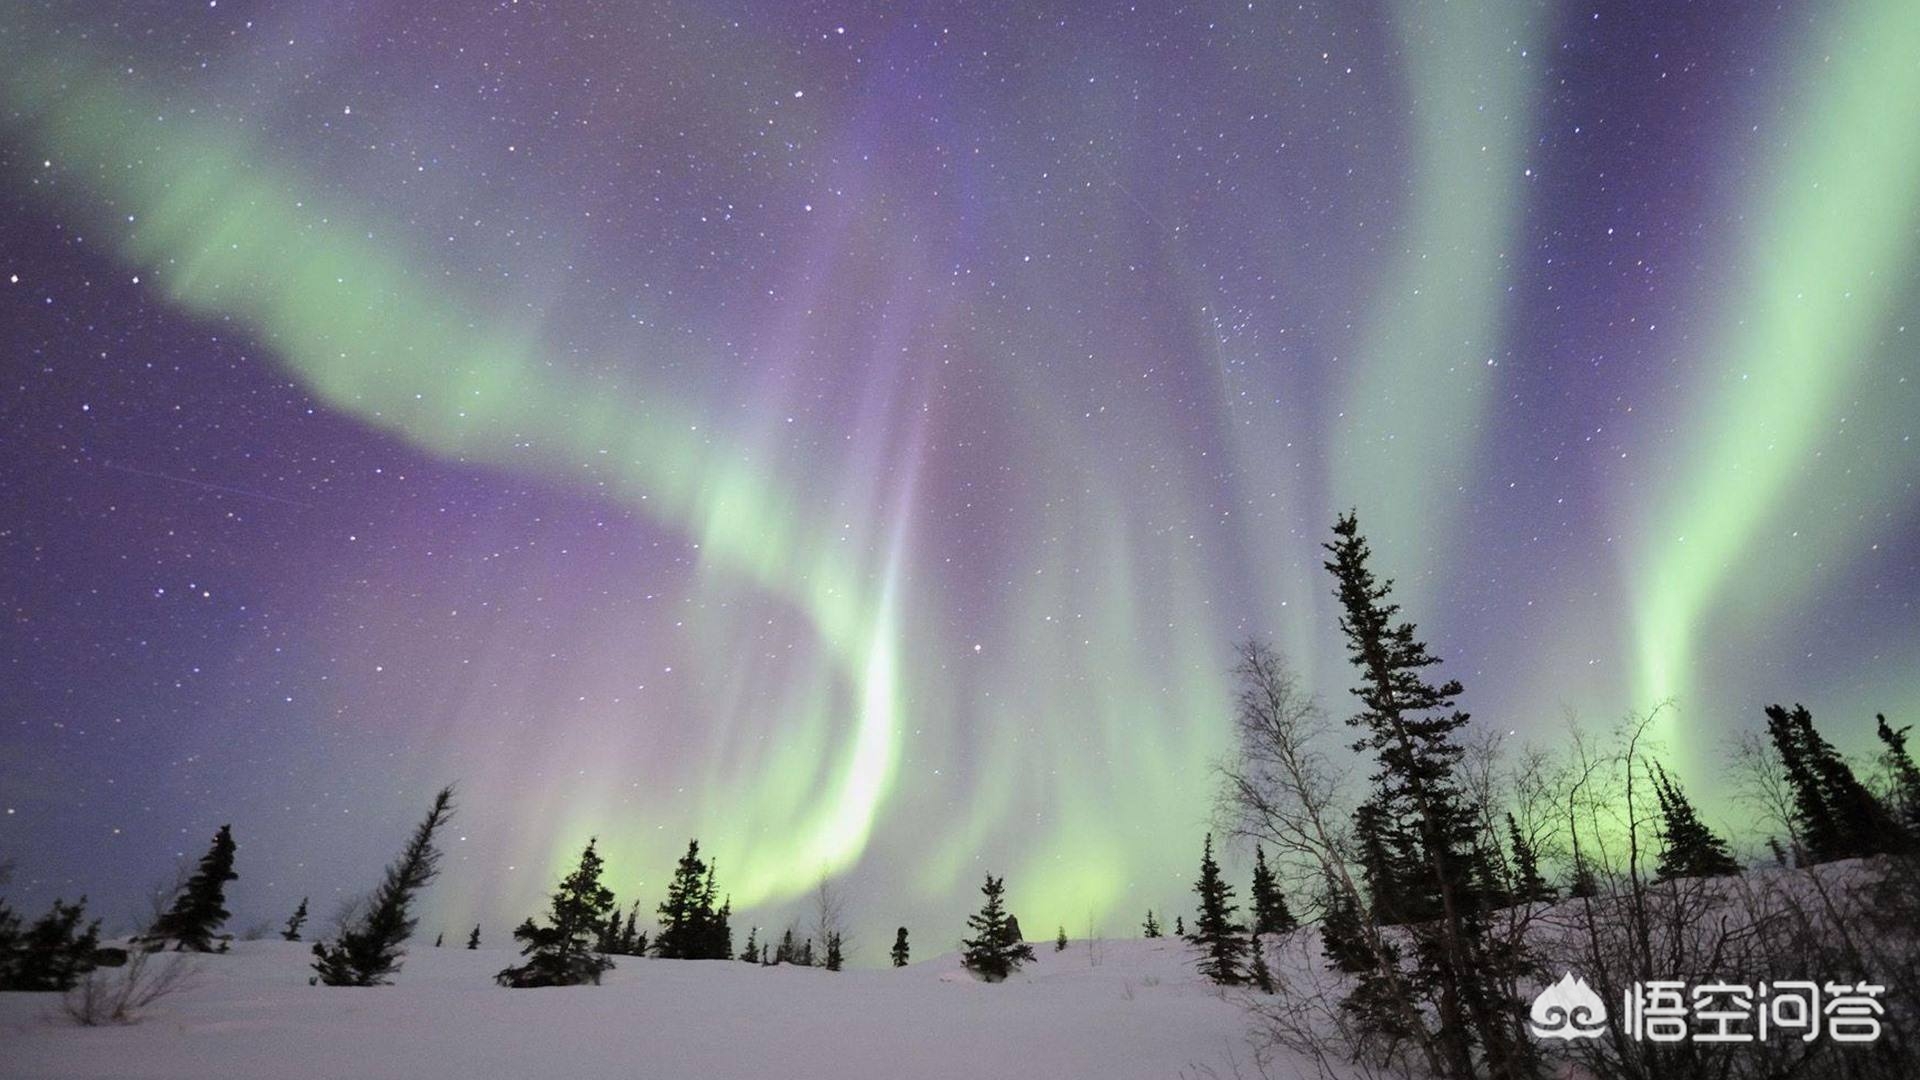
<point x="1082" y="762"/>
<point x="228" y="235"/>
<point x="1827" y="262"/>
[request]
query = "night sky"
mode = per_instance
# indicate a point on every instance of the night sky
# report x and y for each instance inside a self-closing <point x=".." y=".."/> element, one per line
<point x="856" y="436"/>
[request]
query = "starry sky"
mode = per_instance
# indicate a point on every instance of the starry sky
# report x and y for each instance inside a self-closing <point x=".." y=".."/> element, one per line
<point x="856" y="434"/>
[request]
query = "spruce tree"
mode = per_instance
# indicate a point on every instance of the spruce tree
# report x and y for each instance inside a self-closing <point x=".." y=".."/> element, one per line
<point x="1214" y="932"/>
<point x="899" y="953"/>
<point x="1837" y="816"/>
<point x="1342" y="939"/>
<point x="1179" y="926"/>
<point x="1528" y="886"/>
<point x="1582" y="884"/>
<point x="632" y="941"/>
<point x="1151" y="928"/>
<point x="1433" y="871"/>
<point x="369" y="952"/>
<point x="1691" y="849"/>
<point x="995" y="950"/>
<point x="562" y="953"/>
<point x="1906" y="777"/>
<point x="805" y="956"/>
<point x="834" y="954"/>
<point x="751" y="954"/>
<point x="473" y="939"/>
<point x="295" y="921"/>
<point x="1060" y="940"/>
<point x="1257" y="971"/>
<point x="200" y="910"/>
<point x="785" y="953"/>
<point x="690" y="928"/>
<point x="1270" y="914"/>
<point x="52" y="953"/>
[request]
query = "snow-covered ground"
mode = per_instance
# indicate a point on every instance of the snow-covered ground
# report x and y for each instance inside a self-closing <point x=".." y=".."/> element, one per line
<point x="1140" y="1012"/>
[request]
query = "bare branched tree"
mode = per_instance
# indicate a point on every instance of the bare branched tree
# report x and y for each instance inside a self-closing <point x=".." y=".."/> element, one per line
<point x="122" y="995"/>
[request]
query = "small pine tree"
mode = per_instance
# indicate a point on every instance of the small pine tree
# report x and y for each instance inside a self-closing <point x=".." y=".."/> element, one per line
<point x="1528" y="886"/>
<point x="995" y="950"/>
<point x="900" y="952"/>
<point x="1270" y="914"/>
<point x="805" y="957"/>
<point x="1341" y="939"/>
<point x="834" y="955"/>
<point x="785" y="954"/>
<point x="1151" y="928"/>
<point x="1906" y="777"/>
<point x="1060" y="940"/>
<point x="562" y="953"/>
<point x="369" y="952"/>
<point x="751" y="954"/>
<point x="52" y="953"/>
<point x="473" y="939"/>
<point x="633" y="941"/>
<point x="1692" y="850"/>
<point x="1179" y="926"/>
<point x="1215" y="932"/>
<point x="1257" y="971"/>
<point x="295" y="921"/>
<point x="200" y="910"/>
<point x="1582" y="884"/>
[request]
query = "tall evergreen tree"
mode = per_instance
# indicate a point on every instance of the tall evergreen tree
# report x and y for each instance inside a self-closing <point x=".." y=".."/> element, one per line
<point x="369" y="951"/>
<point x="1690" y="848"/>
<point x="690" y="927"/>
<point x="1409" y="723"/>
<point x="751" y="954"/>
<point x="199" y="910"/>
<point x="473" y="939"/>
<point x="563" y="953"/>
<point x="1906" y="777"/>
<point x="900" y="952"/>
<point x="834" y="954"/>
<point x="1837" y="816"/>
<point x="295" y="921"/>
<point x="1151" y="928"/>
<point x="1528" y="886"/>
<point x="785" y="954"/>
<point x="1270" y="913"/>
<point x="1214" y="932"/>
<point x="995" y="950"/>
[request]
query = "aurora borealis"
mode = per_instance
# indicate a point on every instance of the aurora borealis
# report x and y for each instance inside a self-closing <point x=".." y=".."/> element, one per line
<point x="856" y="436"/>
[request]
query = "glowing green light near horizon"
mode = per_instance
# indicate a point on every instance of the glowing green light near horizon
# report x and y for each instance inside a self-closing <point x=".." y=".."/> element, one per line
<point x="1826" y="260"/>
<point x="226" y="233"/>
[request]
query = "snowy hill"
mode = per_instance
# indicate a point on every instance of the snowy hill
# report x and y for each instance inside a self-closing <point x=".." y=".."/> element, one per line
<point x="1140" y="1011"/>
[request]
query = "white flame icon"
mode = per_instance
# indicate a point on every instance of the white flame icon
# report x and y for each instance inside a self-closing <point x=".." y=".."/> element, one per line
<point x="1569" y="1009"/>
